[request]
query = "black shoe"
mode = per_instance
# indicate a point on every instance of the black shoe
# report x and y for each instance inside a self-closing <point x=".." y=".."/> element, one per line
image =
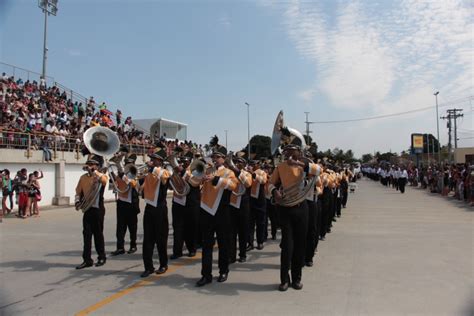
<point x="328" y="231"/>
<point x="161" y="270"/>
<point x="100" y="262"/>
<point x="118" y="252"/>
<point x="249" y="248"/>
<point x="203" y="281"/>
<point x="233" y="260"/>
<point x="309" y="263"/>
<point x="192" y="254"/>
<point x="222" y="277"/>
<point x="297" y="285"/>
<point x="85" y="265"/>
<point x="146" y="273"/>
<point x="283" y="287"/>
<point x="322" y="238"/>
<point x="242" y="259"/>
<point x="173" y="256"/>
<point x="334" y="219"/>
<point x="260" y="246"/>
<point x="338" y="215"/>
<point x="132" y="250"/>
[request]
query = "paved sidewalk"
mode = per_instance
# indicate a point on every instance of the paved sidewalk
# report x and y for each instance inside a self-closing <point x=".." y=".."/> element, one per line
<point x="389" y="254"/>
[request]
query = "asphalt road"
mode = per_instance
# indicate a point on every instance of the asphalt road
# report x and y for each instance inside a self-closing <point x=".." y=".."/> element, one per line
<point x="389" y="254"/>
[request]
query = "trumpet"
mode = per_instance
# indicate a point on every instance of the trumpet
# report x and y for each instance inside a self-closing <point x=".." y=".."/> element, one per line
<point x="232" y="166"/>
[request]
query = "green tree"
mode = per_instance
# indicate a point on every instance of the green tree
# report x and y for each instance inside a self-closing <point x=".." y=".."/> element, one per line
<point x="367" y="157"/>
<point x="260" y="147"/>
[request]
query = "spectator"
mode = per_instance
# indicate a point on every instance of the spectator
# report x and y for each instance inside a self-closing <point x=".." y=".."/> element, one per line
<point x="21" y="185"/>
<point x="7" y="192"/>
<point x="35" y="193"/>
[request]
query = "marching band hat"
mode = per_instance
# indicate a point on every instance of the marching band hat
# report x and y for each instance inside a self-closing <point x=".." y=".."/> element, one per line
<point x="292" y="147"/>
<point x="130" y="159"/>
<point x="159" y="153"/>
<point x="254" y="162"/>
<point x="240" y="159"/>
<point x="95" y="160"/>
<point x="220" y="151"/>
<point x="189" y="154"/>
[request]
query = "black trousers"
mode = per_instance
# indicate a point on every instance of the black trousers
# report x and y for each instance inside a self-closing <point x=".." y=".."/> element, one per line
<point x="127" y="217"/>
<point x="338" y="205"/>
<point x="311" y="235"/>
<point x="401" y="184"/>
<point x="240" y="227"/>
<point x="219" y="225"/>
<point x="155" y="232"/>
<point x="294" y="227"/>
<point x="184" y="228"/>
<point x="257" y="220"/>
<point x="319" y="221"/>
<point x="344" y="196"/>
<point x="93" y="225"/>
<point x="273" y="216"/>
<point x="325" y="214"/>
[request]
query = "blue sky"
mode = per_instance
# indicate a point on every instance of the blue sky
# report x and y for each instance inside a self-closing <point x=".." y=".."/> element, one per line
<point x="199" y="61"/>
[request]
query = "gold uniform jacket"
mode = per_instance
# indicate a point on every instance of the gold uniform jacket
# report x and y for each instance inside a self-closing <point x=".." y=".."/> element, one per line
<point x="211" y="195"/>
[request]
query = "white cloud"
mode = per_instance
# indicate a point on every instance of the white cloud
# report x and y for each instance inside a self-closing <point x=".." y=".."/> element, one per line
<point x="224" y="20"/>
<point x="73" y="52"/>
<point x="366" y="55"/>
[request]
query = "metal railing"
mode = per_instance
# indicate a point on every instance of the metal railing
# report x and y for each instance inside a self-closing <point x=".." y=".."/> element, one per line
<point x="19" y="72"/>
<point x="55" y="144"/>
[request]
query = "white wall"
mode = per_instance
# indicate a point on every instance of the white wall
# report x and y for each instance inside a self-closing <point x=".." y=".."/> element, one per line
<point x="47" y="183"/>
<point x="72" y="174"/>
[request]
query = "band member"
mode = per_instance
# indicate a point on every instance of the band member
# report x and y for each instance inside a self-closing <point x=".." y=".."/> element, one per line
<point x="155" y="218"/>
<point x="185" y="211"/>
<point x="272" y="211"/>
<point x="326" y="198"/>
<point x="240" y="211"/>
<point x="215" y="216"/>
<point x="93" y="218"/>
<point x="127" y="207"/>
<point x="294" y="219"/>
<point x="257" y="206"/>
<point x="346" y="176"/>
<point x="311" y="236"/>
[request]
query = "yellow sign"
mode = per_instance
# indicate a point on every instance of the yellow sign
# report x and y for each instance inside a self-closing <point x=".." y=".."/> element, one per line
<point x="417" y="141"/>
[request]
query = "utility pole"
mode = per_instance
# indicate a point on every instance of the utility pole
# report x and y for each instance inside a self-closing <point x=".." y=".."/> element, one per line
<point x="307" y="127"/>
<point x="453" y="114"/>
<point x="437" y="128"/>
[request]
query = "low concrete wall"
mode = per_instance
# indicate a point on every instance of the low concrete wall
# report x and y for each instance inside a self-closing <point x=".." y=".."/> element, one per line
<point x="60" y="176"/>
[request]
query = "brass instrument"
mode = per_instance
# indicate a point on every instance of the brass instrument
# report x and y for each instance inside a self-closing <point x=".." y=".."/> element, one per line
<point x="232" y="166"/>
<point x="282" y="136"/>
<point x="88" y="200"/>
<point x="104" y="142"/>
<point x="177" y="183"/>
<point x="136" y="172"/>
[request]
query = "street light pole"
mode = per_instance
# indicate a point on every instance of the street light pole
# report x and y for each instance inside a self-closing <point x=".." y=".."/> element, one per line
<point x="45" y="49"/>
<point x="437" y="127"/>
<point x="248" y="129"/>
<point x="48" y="7"/>
<point x="226" y="139"/>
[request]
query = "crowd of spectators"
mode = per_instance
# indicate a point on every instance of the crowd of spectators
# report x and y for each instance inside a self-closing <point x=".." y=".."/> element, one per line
<point x="41" y="117"/>
<point x="24" y="188"/>
<point x="454" y="180"/>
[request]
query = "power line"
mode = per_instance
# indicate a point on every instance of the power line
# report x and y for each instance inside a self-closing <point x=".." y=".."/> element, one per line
<point x="396" y="114"/>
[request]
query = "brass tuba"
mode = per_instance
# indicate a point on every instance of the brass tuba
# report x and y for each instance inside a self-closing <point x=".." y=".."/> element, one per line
<point x="101" y="141"/>
<point x="177" y="183"/>
<point x="282" y="136"/>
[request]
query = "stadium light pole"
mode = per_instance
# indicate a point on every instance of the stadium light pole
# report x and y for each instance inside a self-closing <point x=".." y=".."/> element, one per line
<point x="248" y="128"/>
<point x="437" y="127"/>
<point x="48" y="7"/>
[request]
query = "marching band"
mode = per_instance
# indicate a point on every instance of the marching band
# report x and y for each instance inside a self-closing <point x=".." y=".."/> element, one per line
<point x="225" y="197"/>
